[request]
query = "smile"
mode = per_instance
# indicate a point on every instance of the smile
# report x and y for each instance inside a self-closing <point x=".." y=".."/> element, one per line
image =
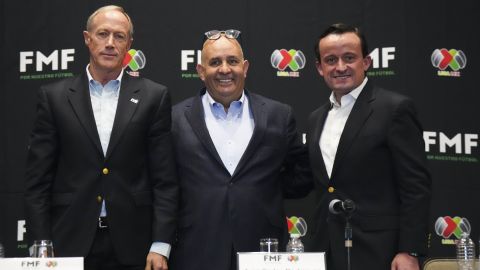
<point x="341" y="76"/>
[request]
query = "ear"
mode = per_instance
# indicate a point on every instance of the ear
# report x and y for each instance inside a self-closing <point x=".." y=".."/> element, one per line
<point x="367" y="61"/>
<point x="318" y="65"/>
<point x="201" y="71"/>
<point x="246" y="64"/>
<point x="86" y="37"/>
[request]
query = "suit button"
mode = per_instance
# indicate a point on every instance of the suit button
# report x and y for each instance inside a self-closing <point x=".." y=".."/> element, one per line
<point x="105" y="171"/>
<point x="331" y="189"/>
<point x="99" y="199"/>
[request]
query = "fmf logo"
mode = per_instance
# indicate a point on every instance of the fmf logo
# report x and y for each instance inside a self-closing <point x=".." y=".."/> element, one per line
<point x="381" y="58"/>
<point x="454" y="59"/>
<point x="462" y="145"/>
<point x="36" y="61"/>
<point x="293" y="59"/>
<point x="21" y="230"/>
<point x="135" y="60"/>
<point x="189" y="60"/>
<point x="447" y="226"/>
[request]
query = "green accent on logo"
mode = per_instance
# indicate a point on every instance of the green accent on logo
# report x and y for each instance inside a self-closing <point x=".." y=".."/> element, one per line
<point x="454" y="64"/>
<point x="293" y="64"/>
<point x="458" y="232"/>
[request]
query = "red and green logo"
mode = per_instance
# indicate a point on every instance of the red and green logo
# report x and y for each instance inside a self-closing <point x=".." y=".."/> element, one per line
<point x="443" y="58"/>
<point x="296" y="226"/>
<point x="134" y="59"/>
<point x="448" y="226"/>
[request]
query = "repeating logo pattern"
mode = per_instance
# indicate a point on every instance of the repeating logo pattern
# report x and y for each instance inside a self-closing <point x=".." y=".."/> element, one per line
<point x="281" y="59"/>
<point x="135" y="60"/>
<point x="443" y="58"/>
<point x="292" y="59"/>
<point x="296" y="226"/>
<point x="448" y="226"/>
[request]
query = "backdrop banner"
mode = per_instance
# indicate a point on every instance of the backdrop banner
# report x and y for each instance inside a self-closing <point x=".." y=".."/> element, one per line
<point x="423" y="50"/>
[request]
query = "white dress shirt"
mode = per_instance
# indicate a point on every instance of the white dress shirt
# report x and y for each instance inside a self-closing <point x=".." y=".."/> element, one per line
<point x="230" y="131"/>
<point x="335" y="123"/>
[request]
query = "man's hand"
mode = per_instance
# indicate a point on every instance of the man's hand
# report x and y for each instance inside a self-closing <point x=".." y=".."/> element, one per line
<point x="156" y="261"/>
<point x="403" y="261"/>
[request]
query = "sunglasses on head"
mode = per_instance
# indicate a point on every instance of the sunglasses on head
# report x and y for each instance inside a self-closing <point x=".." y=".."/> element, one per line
<point x="216" y="34"/>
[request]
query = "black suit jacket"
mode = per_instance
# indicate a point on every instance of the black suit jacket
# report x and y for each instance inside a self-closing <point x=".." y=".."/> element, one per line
<point x="66" y="179"/>
<point x="222" y="214"/>
<point x="380" y="164"/>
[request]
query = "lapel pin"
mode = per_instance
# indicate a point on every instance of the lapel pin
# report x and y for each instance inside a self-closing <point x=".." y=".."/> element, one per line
<point x="134" y="100"/>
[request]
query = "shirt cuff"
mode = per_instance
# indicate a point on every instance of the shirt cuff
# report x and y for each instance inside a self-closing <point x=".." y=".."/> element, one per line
<point x="161" y="248"/>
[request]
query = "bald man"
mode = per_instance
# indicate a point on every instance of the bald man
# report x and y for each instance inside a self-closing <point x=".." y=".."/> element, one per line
<point x="237" y="154"/>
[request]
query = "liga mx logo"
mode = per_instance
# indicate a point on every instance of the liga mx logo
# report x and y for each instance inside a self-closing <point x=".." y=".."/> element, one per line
<point x="453" y="59"/>
<point x="135" y="60"/>
<point x="292" y="59"/>
<point x="447" y="226"/>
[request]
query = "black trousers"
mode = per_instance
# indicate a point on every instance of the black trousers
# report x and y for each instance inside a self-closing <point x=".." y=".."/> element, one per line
<point x="102" y="255"/>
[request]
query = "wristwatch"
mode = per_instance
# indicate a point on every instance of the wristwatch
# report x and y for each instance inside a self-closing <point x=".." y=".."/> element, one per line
<point x="413" y="254"/>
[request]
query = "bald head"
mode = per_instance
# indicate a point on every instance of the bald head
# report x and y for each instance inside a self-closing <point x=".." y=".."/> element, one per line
<point x="224" y="42"/>
<point x="223" y="69"/>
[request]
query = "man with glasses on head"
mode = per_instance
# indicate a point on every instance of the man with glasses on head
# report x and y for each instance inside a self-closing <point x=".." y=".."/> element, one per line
<point x="237" y="154"/>
<point x="100" y="180"/>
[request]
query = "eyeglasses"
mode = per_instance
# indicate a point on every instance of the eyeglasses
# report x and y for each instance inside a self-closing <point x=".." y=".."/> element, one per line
<point x="216" y="34"/>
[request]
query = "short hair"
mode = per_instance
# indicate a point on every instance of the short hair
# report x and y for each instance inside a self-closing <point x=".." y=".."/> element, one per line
<point x="107" y="8"/>
<point x="338" y="29"/>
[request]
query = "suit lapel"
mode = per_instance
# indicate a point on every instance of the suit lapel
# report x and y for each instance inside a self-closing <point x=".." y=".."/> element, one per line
<point x="259" y="112"/>
<point x="196" y="117"/>
<point x="79" y="98"/>
<point x="128" y="101"/>
<point x="316" y="153"/>
<point x="361" y="111"/>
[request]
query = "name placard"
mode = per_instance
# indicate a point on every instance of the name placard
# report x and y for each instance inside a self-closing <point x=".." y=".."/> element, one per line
<point x="281" y="261"/>
<point x="71" y="263"/>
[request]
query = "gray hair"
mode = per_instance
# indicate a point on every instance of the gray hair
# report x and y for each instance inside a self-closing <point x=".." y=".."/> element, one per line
<point x="108" y="8"/>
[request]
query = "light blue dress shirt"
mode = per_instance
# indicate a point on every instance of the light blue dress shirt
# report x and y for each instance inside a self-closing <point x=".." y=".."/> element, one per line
<point x="229" y="130"/>
<point x="104" y="104"/>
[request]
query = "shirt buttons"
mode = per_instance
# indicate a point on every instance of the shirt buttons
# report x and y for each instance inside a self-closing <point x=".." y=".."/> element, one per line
<point x="105" y="171"/>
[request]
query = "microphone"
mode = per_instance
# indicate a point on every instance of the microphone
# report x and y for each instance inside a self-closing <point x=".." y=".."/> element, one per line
<point x="337" y="207"/>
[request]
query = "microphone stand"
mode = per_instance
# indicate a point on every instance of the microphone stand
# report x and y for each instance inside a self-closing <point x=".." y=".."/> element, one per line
<point x="346" y="208"/>
<point x="348" y="240"/>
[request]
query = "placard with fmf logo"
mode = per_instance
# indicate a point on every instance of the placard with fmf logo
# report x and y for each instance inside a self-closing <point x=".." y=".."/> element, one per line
<point x="281" y="261"/>
<point x="71" y="263"/>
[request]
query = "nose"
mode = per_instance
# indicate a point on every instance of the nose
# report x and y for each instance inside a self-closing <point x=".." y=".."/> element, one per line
<point x="110" y="41"/>
<point x="224" y="68"/>
<point x="341" y="65"/>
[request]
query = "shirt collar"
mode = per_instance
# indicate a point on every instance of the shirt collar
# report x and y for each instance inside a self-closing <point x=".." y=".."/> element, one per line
<point x="235" y="109"/>
<point x="97" y="88"/>
<point x="351" y="96"/>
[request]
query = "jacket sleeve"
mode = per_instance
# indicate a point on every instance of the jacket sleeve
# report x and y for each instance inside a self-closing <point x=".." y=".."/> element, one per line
<point x="408" y="154"/>
<point x="162" y="172"/>
<point x="40" y="171"/>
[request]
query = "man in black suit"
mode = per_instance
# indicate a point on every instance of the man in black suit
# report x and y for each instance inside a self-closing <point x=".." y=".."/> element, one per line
<point x="237" y="154"/>
<point x="366" y="145"/>
<point x="100" y="180"/>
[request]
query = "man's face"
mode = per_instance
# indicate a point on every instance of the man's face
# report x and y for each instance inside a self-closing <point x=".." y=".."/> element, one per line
<point x="223" y="69"/>
<point x="341" y="62"/>
<point x="108" y="40"/>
